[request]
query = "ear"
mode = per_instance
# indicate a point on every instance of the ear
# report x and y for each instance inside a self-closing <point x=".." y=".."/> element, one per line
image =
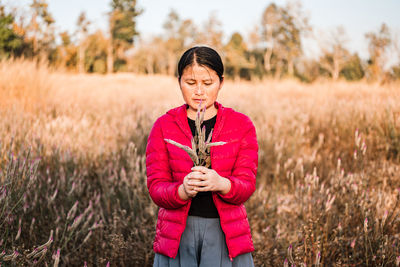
<point x="221" y="83"/>
<point x="179" y="82"/>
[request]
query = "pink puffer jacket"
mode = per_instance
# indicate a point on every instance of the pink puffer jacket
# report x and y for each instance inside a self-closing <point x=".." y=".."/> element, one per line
<point x="167" y="165"/>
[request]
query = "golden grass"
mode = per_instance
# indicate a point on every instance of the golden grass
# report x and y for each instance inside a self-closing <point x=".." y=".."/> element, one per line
<point x="92" y="113"/>
<point x="300" y="128"/>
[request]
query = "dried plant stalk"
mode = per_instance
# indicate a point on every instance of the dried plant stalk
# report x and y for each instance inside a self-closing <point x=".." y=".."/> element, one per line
<point x="200" y="151"/>
<point x="191" y="153"/>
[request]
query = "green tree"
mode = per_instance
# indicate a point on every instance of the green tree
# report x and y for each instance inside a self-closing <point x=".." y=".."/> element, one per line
<point x="396" y="72"/>
<point x="96" y="52"/>
<point x="10" y="42"/>
<point x="256" y="57"/>
<point x="237" y="64"/>
<point x="122" y="25"/>
<point x="353" y="69"/>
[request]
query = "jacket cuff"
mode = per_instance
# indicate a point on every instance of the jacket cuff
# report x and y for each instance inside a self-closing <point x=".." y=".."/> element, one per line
<point x="178" y="199"/>
<point x="228" y="196"/>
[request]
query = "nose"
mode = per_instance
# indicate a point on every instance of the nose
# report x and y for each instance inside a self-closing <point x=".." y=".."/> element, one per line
<point x="198" y="90"/>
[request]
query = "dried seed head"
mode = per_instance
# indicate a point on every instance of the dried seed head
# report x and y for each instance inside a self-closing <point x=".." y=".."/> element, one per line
<point x="353" y="243"/>
<point x="18" y="234"/>
<point x="290" y="253"/>
<point x="200" y="151"/>
<point x="339" y="164"/>
<point x="77" y="221"/>
<point x="192" y="154"/>
<point x="318" y="259"/>
<point x="72" y="211"/>
<point x="54" y="195"/>
<point x="57" y="258"/>
<point x="87" y="237"/>
<point x="286" y="263"/>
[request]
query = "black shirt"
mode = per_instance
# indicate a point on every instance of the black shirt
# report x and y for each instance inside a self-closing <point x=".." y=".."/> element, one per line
<point x="203" y="204"/>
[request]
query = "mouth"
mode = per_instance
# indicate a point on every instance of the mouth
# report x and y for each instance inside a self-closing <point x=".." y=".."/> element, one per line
<point x="198" y="100"/>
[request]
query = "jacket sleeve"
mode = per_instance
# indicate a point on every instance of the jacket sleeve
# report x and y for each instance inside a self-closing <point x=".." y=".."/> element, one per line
<point x="243" y="178"/>
<point x="162" y="188"/>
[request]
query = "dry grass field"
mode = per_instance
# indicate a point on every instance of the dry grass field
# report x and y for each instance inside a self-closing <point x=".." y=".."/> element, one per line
<point x="328" y="184"/>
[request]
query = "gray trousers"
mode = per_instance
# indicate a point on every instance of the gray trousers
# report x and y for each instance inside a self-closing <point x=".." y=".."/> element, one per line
<point x="203" y="245"/>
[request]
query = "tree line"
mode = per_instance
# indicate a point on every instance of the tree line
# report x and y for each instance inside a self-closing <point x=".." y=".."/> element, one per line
<point x="274" y="48"/>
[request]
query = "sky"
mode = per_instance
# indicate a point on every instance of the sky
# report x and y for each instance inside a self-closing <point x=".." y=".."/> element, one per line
<point x="356" y="16"/>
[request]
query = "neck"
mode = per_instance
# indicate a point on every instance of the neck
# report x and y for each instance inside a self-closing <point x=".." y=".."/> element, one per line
<point x="210" y="112"/>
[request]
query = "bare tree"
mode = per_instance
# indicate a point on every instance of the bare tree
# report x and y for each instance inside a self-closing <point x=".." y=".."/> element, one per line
<point x="378" y="44"/>
<point x="83" y="24"/>
<point x="40" y="30"/>
<point x="179" y="35"/>
<point x="334" y="54"/>
<point x="282" y="29"/>
<point x="297" y="25"/>
<point x="110" y="52"/>
<point x="396" y="46"/>
<point x="211" y="33"/>
<point x="270" y="24"/>
<point x="254" y="37"/>
<point x="65" y="50"/>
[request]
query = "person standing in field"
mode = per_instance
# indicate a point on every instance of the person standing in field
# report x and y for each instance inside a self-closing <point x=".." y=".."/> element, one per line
<point x="202" y="220"/>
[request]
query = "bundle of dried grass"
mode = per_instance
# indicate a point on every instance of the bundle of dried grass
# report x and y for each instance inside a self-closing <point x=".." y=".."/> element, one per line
<point x="200" y="151"/>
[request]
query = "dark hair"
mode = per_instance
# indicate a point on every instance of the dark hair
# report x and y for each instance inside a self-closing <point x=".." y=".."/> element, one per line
<point x="204" y="56"/>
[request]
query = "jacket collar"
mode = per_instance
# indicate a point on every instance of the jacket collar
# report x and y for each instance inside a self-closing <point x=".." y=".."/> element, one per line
<point x="180" y="116"/>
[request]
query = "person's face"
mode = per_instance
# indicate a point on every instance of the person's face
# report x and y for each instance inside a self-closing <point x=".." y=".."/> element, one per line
<point x="200" y="83"/>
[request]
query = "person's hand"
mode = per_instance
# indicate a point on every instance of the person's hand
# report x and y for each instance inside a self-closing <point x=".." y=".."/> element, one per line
<point x="205" y="179"/>
<point x="189" y="189"/>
